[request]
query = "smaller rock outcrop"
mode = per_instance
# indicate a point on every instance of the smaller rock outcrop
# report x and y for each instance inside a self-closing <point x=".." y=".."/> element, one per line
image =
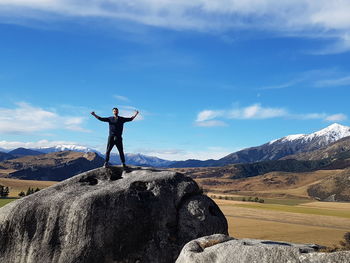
<point x="222" y="249"/>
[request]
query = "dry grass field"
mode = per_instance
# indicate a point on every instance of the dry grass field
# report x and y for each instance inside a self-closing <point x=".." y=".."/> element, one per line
<point x="299" y="220"/>
<point x="273" y="184"/>
<point x="314" y="222"/>
<point x="16" y="185"/>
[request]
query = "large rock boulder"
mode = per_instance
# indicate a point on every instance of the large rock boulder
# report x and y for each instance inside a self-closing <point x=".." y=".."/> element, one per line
<point x="107" y="215"/>
<point x="222" y="249"/>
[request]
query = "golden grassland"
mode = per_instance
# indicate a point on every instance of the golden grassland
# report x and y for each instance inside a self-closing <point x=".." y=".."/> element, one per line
<point x="273" y="184"/>
<point x="298" y="220"/>
<point x="314" y="222"/>
<point x="16" y="185"/>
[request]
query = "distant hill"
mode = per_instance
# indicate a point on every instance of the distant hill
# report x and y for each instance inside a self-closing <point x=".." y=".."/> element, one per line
<point x="333" y="188"/>
<point x="303" y="175"/>
<point x="237" y="171"/>
<point x="55" y="166"/>
<point x="276" y="149"/>
<point x="5" y="156"/>
<point x="20" y="152"/>
<point x="132" y="159"/>
<point x="140" y="160"/>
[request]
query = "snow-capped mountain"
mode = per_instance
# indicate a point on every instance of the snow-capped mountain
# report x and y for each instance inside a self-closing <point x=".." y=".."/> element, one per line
<point x="323" y="137"/>
<point x="277" y="149"/>
<point x="132" y="159"/>
<point x="66" y="147"/>
<point x="3" y="150"/>
<point x="273" y="150"/>
<point x="141" y="160"/>
<point x="290" y="144"/>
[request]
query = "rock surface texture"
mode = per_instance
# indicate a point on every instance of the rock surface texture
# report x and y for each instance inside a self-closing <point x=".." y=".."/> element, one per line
<point x="107" y="215"/>
<point x="221" y="249"/>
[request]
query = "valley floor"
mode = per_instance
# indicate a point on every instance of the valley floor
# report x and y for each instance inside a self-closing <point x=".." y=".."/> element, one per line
<point x="281" y="219"/>
<point x="313" y="222"/>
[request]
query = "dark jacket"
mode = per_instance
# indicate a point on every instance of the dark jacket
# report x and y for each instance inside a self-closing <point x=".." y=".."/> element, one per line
<point x="115" y="124"/>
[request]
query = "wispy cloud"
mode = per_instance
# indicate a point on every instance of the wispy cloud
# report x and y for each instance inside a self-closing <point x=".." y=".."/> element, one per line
<point x="256" y="111"/>
<point x="210" y="118"/>
<point x="336" y="117"/>
<point x="336" y="82"/>
<point x="25" y="118"/>
<point x="122" y="98"/>
<point x="322" y="18"/>
<point x="128" y="111"/>
<point x="208" y="115"/>
<point x="319" y="116"/>
<point x="211" y="123"/>
<point x="288" y="84"/>
<point x="317" y="78"/>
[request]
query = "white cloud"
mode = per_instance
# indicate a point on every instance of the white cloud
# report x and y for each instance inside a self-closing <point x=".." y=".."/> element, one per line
<point x="319" y="116"/>
<point x="209" y="118"/>
<point x="340" y="45"/>
<point x="321" y="18"/>
<point x="122" y="98"/>
<point x="256" y="111"/>
<point x="336" y="117"/>
<point x="208" y="115"/>
<point x="26" y="118"/>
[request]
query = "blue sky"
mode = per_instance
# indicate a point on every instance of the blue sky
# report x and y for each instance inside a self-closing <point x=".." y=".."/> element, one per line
<point x="209" y="78"/>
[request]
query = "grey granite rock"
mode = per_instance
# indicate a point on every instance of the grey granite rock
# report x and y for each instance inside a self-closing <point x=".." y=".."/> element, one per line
<point x="97" y="216"/>
<point x="221" y="249"/>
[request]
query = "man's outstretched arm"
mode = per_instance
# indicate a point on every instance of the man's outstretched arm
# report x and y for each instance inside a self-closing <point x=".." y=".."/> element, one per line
<point x="133" y="117"/>
<point x="98" y="117"/>
<point x="136" y="113"/>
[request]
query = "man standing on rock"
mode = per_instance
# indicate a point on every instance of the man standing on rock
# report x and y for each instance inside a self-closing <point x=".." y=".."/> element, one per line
<point x="116" y="124"/>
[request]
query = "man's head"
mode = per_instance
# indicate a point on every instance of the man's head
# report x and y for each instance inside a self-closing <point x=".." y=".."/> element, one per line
<point x="115" y="111"/>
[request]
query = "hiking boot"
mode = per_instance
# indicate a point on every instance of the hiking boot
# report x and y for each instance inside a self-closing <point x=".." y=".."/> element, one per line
<point x="106" y="165"/>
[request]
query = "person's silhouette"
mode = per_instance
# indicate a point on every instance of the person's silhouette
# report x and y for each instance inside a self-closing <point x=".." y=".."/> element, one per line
<point x="116" y="124"/>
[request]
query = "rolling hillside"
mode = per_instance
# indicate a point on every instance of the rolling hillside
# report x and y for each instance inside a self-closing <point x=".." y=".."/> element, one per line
<point x="55" y="166"/>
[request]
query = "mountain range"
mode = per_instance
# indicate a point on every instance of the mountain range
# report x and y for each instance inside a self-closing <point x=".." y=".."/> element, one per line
<point x="314" y="165"/>
<point x="20" y="152"/>
<point x="322" y="174"/>
<point x="273" y="150"/>
<point x="56" y="166"/>
<point x="132" y="159"/>
<point x="276" y="149"/>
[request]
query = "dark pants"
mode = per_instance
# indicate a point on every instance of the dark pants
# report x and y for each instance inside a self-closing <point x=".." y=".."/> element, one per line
<point x="117" y="141"/>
